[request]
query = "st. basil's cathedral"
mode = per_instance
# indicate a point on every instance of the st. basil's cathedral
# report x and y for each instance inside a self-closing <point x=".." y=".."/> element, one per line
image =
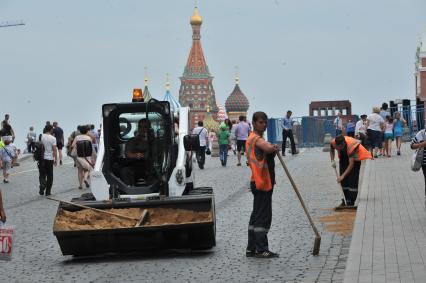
<point x="196" y="89"/>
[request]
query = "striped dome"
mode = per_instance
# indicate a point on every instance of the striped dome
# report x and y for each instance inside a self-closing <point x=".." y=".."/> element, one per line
<point x="174" y="103"/>
<point x="237" y="101"/>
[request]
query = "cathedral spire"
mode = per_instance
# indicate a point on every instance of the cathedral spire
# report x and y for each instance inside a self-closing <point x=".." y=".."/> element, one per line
<point x="196" y="65"/>
<point x="196" y="89"/>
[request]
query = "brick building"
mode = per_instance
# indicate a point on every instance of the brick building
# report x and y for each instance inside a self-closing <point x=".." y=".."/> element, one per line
<point x="420" y="73"/>
<point x="330" y="108"/>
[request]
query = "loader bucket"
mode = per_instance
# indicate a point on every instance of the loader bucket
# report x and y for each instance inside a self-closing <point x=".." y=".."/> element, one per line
<point x="162" y="231"/>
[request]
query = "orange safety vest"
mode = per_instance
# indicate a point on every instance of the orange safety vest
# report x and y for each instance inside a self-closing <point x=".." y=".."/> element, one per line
<point x="351" y="145"/>
<point x="259" y="167"/>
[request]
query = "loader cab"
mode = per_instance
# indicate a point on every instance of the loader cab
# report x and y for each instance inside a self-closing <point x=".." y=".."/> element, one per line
<point x="138" y="140"/>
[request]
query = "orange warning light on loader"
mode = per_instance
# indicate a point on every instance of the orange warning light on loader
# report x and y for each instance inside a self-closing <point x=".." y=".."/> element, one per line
<point x="137" y="95"/>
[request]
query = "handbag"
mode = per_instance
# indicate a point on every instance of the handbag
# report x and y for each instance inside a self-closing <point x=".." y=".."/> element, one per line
<point x="208" y="152"/>
<point x="417" y="158"/>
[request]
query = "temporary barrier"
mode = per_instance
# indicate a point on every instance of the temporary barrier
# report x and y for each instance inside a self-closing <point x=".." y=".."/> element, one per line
<point x="310" y="131"/>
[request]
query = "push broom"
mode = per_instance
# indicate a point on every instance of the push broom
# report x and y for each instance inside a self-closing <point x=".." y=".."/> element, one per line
<point x="317" y="242"/>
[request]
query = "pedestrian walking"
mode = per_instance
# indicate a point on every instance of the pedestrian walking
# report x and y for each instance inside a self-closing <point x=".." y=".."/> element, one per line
<point x="398" y="128"/>
<point x="5" y="121"/>
<point x="7" y="157"/>
<point x="350" y="129"/>
<point x="233" y="137"/>
<point x="338" y="124"/>
<point x="49" y="160"/>
<point x="31" y="139"/>
<point x="242" y="132"/>
<point x="6" y="128"/>
<point x="384" y="112"/>
<point x="70" y="141"/>
<point x="287" y="125"/>
<point x="388" y="135"/>
<point x="58" y="133"/>
<point x="204" y="142"/>
<point x="84" y="165"/>
<point x="361" y="130"/>
<point x="260" y="155"/>
<point x="419" y="141"/>
<point x="7" y="131"/>
<point x="350" y="153"/>
<point x="374" y="131"/>
<point x="224" y="141"/>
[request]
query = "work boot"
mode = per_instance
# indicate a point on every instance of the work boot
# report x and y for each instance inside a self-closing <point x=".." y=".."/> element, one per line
<point x="266" y="254"/>
<point x="250" y="253"/>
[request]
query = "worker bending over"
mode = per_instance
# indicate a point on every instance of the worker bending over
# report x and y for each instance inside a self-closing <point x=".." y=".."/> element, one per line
<point x="260" y="157"/>
<point x="351" y="153"/>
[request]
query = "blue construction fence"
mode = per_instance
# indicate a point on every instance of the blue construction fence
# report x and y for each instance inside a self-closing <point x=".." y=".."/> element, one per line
<point x="310" y="131"/>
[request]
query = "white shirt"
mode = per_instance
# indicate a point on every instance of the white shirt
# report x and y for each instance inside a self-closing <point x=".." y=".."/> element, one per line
<point x="375" y="121"/>
<point x="48" y="141"/>
<point x="202" y="133"/>
<point x="360" y="127"/>
<point x="338" y="123"/>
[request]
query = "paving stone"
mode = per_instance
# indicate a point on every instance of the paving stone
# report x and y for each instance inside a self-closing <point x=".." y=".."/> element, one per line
<point x="37" y="256"/>
<point x="390" y="232"/>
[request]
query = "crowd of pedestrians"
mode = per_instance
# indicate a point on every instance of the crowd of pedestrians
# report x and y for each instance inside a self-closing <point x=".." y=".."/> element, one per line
<point x="47" y="149"/>
<point x="376" y="131"/>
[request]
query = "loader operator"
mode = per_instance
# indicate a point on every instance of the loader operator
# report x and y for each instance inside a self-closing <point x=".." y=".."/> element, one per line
<point x="351" y="153"/>
<point x="260" y="156"/>
<point x="137" y="154"/>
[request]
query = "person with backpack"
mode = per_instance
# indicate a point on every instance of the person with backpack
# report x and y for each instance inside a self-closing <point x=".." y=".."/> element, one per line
<point x="7" y="155"/>
<point x="204" y="142"/>
<point x="84" y="164"/>
<point x="47" y="152"/>
<point x="58" y="133"/>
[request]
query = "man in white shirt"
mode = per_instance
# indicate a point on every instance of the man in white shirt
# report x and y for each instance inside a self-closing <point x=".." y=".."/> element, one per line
<point x="361" y="130"/>
<point x="204" y="142"/>
<point x="45" y="165"/>
<point x="338" y="124"/>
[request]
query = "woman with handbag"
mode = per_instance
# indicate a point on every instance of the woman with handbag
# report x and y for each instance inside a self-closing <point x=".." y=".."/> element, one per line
<point x="84" y="164"/>
<point x="419" y="158"/>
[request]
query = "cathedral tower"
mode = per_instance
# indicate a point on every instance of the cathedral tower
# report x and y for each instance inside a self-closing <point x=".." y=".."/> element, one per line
<point x="196" y="90"/>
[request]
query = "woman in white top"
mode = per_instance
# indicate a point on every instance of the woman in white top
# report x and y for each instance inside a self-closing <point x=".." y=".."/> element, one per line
<point x="388" y="135"/>
<point x="374" y="130"/>
<point x="84" y="164"/>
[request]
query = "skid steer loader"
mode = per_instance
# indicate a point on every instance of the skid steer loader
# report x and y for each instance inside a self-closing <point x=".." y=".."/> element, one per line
<point x="163" y="179"/>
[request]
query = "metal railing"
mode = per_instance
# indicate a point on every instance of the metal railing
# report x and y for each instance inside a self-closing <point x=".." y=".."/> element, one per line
<point x="310" y="131"/>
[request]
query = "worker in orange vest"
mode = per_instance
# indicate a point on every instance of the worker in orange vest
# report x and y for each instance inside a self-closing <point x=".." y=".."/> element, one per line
<point x="351" y="153"/>
<point x="260" y="158"/>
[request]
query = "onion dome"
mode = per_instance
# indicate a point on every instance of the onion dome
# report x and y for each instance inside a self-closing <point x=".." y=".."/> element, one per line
<point x="221" y="114"/>
<point x="237" y="101"/>
<point x="196" y="19"/>
<point x="209" y="123"/>
<point x="174" y="103"/>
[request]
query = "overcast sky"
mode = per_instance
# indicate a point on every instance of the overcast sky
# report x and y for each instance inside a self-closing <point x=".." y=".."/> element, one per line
<point x="73" y="56"/>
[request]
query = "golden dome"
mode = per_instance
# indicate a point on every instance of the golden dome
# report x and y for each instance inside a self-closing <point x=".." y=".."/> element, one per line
<point x="196" y="18"/>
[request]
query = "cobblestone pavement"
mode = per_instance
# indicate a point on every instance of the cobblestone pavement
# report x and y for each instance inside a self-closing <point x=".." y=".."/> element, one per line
<point x="37" y="256"/>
